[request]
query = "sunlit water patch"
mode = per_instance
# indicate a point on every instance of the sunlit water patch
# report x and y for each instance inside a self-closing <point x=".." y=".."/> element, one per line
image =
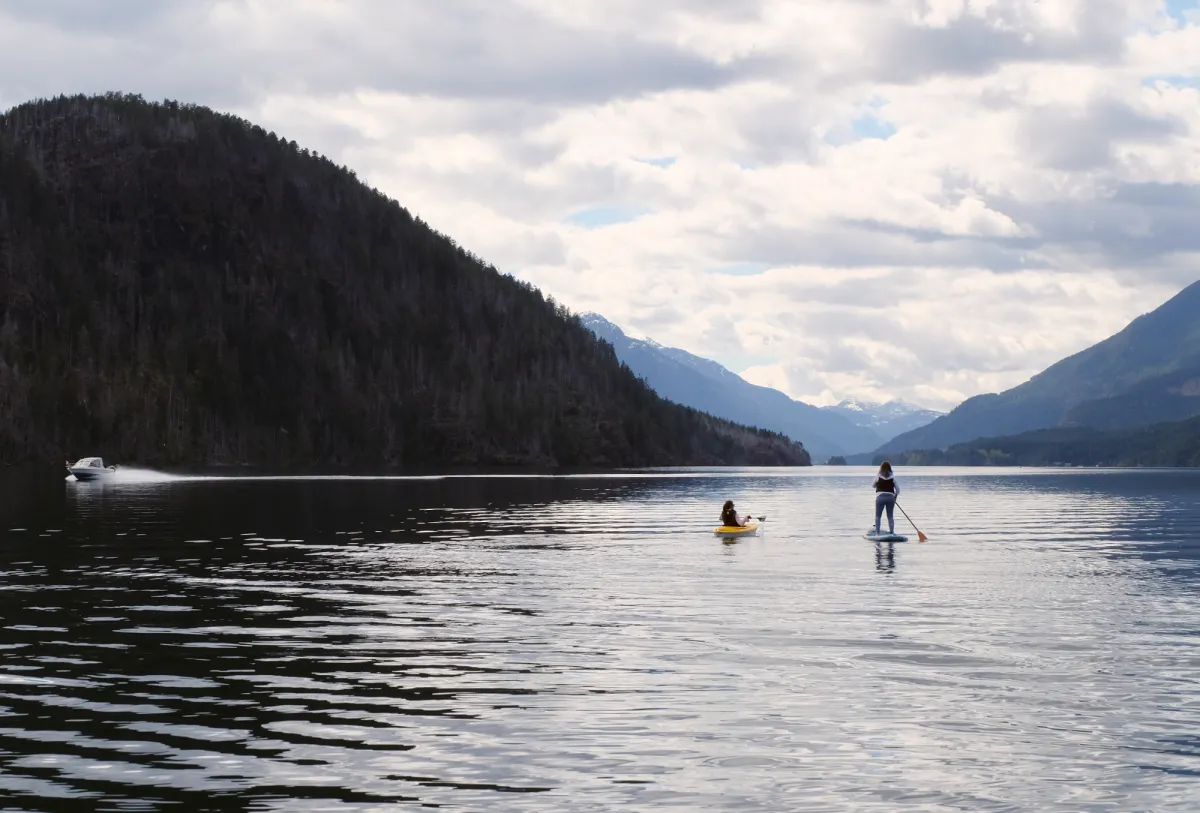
<point x="586" y="643"/>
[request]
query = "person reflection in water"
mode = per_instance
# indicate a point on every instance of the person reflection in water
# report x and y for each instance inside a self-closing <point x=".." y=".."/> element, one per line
<point x="885" y="557"/>
<point x="729" y="516"/>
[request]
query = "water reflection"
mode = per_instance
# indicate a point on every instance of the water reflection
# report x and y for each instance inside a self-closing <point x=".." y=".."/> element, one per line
<point x="885" y="557"/>
<point x="588" y="644"/>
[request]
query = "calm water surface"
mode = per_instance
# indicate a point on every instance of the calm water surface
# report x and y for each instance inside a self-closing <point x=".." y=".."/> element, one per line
<point x="585" y="644"/>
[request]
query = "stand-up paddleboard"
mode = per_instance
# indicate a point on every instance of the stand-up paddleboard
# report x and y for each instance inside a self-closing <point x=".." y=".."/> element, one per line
<point x="730" y="531"/>
<point x="884" y="537"/>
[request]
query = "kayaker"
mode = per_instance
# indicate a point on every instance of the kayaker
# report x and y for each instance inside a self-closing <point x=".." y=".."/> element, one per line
<point x="729" y="517"/>
<point x="886" y="492"/>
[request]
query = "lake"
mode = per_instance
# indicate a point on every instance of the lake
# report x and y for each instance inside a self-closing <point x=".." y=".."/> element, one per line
<point x="586" y="644"/>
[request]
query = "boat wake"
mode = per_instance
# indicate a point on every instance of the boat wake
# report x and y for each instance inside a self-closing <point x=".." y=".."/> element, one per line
<point x="131" y="475"/>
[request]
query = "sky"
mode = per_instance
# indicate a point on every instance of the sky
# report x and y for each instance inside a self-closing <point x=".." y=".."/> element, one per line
<point x="920" y="199"/>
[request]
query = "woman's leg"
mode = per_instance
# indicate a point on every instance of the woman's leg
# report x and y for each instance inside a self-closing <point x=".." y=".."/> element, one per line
<point x="878" y="510"/>
<point x="891" y="508"/>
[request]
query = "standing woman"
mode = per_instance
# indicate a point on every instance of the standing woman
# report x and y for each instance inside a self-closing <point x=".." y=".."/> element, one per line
<point x="886" y="492"/>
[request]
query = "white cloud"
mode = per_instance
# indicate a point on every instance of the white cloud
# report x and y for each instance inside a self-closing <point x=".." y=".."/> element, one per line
<point x="919" y="198"/>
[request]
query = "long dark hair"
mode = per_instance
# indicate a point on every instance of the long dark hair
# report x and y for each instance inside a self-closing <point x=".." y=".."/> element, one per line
<point x="885" y="467"/>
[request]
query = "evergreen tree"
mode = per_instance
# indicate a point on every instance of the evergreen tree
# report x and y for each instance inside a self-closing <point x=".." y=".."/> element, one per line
<point x="178" y="286"/>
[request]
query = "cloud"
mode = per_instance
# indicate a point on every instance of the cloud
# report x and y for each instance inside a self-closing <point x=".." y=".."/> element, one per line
<point x="1082" y="140"/>
<point x="91" y="19"/>
<point x="452" y="49"/>
<point x="920" y="198"/>
<point x="976" y="39"/>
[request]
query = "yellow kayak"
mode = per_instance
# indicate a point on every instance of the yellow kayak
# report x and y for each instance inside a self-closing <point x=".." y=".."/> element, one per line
<point x="732" y="530"/>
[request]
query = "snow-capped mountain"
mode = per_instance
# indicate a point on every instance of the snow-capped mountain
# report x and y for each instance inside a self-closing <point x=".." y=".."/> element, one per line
<point x="886" y="419"/>
<point x="702" y="384"/>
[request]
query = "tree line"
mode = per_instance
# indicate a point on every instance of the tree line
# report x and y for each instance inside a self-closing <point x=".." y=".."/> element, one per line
<point x="1176" y="443"/>
<point x="179" y="286"/>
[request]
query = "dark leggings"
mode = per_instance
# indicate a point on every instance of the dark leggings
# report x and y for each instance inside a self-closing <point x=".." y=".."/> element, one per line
<point x="885" y="499"/>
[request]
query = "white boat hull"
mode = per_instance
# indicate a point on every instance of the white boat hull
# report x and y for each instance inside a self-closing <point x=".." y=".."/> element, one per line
<point x="88" y="473"/>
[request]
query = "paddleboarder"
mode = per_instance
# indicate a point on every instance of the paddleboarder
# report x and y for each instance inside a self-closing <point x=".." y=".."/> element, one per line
<point x="886" y="492"/>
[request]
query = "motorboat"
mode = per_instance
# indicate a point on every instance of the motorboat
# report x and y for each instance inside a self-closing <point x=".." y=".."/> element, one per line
<point x="91" y="468"/>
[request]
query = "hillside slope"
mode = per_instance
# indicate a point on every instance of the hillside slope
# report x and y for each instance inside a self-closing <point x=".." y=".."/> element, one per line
<point x="1175" y="443"/>
<point x="181" y="286"/>
<point x="1174" y="396"/>
<point x="1161" y="343"/>
<point x="701" y="383"/>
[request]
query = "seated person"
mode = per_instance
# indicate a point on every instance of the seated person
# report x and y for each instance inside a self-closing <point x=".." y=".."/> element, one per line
<point x="729" y="517"/>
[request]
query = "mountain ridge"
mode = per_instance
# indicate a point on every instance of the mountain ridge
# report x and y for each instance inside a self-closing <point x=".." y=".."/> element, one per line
<point x="707" y="385"/>
<point x="1158" y="344"/>
<point x="886" y="418"/>
<point x="1165" y="444"/>
<point x="181" y="286"/>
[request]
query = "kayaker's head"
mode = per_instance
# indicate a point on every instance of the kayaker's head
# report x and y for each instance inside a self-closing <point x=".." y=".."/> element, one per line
<point x="885" y="469"/>
<point x="728" y="506"/>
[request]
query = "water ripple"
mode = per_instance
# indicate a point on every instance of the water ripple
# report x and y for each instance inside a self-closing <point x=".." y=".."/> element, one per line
<point x="586" y="644"/>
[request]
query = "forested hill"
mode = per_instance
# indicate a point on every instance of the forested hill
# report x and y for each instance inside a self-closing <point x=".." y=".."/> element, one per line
<point x="1147" y="373"/>
<point x="178" y="286"/>
<point x="1175" y="443"/>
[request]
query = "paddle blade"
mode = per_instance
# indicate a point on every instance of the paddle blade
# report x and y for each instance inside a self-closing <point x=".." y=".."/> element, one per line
<point x="922" y="537"/>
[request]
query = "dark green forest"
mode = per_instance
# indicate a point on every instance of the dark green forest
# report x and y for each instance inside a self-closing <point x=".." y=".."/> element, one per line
<point x="1163" y="444"/>
<point x="182" y="287"/>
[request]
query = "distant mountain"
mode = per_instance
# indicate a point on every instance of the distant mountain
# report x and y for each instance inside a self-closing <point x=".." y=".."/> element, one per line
<point x="1175" y="443"/>
<point x="1171" y="397"/>
<point x="180" y="286"/>
<point x="707" y="386"/>
<point x="1148" y="371"/>
<point x="887" y="419"/>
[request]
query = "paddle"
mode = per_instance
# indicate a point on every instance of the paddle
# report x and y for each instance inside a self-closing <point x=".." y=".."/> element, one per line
<point x="920" y="535"/>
